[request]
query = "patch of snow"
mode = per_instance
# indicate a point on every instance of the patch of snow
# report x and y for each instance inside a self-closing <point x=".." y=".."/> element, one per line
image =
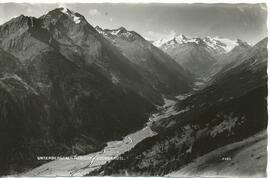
<point x="14" y="17"/>
<point x="115" y="32"/>
<point x="159" y="43"/>
<point x="65" y="10"/>
<point x="101" y="31"/>
<point x="75" y="18"/>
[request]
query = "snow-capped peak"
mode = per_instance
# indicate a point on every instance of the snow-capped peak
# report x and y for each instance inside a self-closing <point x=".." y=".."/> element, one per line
<point x="218" y="42"/>
<point x="222" y="45"/>
<point x="160" y="42"/>
<point x="119" y="32"/>
<point x="65" y="10"/>
<point x="101" y="31"/>
<point x="176" y="40"/>
<point x="181" y="38"/>
<point x="76" y="18"/>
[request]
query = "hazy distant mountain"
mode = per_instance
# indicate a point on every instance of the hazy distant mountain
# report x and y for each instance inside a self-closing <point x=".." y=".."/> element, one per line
<point x="196" y="54"/>
<point x="162" y="72"/>
<point x="232" y="108"/>
<point x="233" y="55"/>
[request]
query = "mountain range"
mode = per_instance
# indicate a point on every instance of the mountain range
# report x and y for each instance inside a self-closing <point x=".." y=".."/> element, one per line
<point x="68" y="88"/>
<point x="201" y="56"/>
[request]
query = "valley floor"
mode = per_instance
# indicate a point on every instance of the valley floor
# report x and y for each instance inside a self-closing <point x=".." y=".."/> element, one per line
<point x="245" y="158"/>
<point x="80" y="166"/>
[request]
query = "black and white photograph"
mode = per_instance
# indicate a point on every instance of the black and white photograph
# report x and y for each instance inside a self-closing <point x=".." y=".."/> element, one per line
<point x="133" y="89"/>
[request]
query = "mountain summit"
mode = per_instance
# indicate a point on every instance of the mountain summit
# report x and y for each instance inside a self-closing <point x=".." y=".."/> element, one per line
<point x="199" y="55"/>
<point x="120" y="32"/>
<point x="214" y="44"/>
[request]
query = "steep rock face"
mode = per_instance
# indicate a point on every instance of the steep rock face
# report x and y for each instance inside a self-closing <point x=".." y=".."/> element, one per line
<point x="56" y="101"/>
<point x="17" y="38"/>
<point x="80" y="40"/>
<point x="162" y="72"/>
<point x="232" y="108"/>
<point x="8" y="63"/>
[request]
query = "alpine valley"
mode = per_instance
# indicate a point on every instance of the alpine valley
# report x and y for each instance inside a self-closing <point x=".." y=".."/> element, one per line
<point x="181" y="106"/>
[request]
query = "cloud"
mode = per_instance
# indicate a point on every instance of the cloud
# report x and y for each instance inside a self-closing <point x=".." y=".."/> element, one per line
<point x="153" y="35"/>
<point x="94" y="12"/>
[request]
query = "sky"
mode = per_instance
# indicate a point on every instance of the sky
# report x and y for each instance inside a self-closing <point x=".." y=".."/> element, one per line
<point x="155" y="20"/>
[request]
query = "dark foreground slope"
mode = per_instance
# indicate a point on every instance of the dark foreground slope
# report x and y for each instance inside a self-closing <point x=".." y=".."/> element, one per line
<point x="232" y="108"/>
